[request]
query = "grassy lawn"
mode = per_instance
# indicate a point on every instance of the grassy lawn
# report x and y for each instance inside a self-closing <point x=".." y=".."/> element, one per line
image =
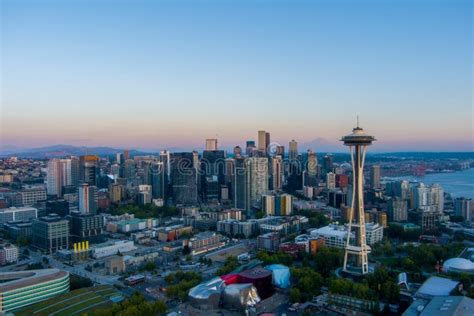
<point x="71" y="303"/>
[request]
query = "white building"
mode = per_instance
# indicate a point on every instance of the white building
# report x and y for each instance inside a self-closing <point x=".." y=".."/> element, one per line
<point x="88" y="199"/>
<point x="257" y="180"/>
<point x="8" y="254"/>
<point x="334" y="236"/>
<point x="17" y="214"/>
<point x="109" y="249"/>
<point x="30" y="196"/>
<point x="61" y="172"/>
<point x="374" y="233"/>
<point x="331" y="181"/>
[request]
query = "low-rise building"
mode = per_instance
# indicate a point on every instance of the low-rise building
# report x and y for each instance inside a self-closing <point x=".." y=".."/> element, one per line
<point x="269" y="242"/>
<point x="17" y="214"/>
<point x="277" y="204"/>
<point x="334" y="236"/>
<point x="19" y="229"/>
<point x="20" y="289"/>
<point x="8" y="254"/>
<point x="282" y="225"/>
<point x="115" y="265"/>
<point x="112" y="248"/>
<point x="204" y="242"/>
<point x="235" y="228"/>
<point x="374" y="233"/>
<point x="173" y="232"/>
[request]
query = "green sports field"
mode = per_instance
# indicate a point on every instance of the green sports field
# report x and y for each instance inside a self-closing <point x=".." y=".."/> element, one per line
<point x="76" y="302"/>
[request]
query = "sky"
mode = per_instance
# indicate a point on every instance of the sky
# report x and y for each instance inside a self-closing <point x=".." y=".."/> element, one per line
<point x="169" y="74"/>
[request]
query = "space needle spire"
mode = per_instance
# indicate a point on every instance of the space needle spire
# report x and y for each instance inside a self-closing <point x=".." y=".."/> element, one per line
<point x="355" y="254"/>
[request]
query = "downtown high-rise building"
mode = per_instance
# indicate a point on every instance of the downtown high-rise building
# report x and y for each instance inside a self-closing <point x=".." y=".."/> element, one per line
<point x="311" y="173"/>
<point x="277" y="173"/>
<point x="330" y="181"/>
<point x="293" y="150"/>
<point x="257" y="180"/>
<point x="375" y="177"/>
<point x="397" y="209"/>
<point x="250" y="148"/>
<point x="183" y="178"/>
<point x="211" y="144"/>
<point x="61" y="173"/>
<point x="155" y="172"/>
<point x="464" y="208"/>
<point x="262" y="141"/>
<point x="237" y="151"/>
<point x="239" y="183"/>
<point x="88" y="199"/>
<point x="280" y="151"/>
<point x="212" y="166"/>
<point x="89" y="169"/>
<point x="427" y="198"/>
<point x="328" y="163"/>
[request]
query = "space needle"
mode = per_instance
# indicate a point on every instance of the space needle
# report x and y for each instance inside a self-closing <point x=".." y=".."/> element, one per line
<point x="355" y="254"/>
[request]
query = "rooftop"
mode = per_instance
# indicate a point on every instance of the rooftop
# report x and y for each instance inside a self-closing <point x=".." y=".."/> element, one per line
<point x="15" y="280"/>
<point x="436" y="286"/>
<point x="339" y="231"/>
<point x="441" y="306"/>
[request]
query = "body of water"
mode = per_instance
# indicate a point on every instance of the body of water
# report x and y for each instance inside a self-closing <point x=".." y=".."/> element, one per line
<point x="458" y="184"/>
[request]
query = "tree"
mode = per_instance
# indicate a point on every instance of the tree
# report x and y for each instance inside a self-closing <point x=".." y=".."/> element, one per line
<point x="78" y="282"/>
<point x="328" y="259"/>
<point x="231" y="263"/>
<point x="150" y="266"/>
<point x="186" y="250"/>
<point x="22" y="241"/>
<point x="295" y="295"/>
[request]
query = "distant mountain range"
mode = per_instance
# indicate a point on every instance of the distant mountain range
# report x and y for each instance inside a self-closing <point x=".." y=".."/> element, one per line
<point x="63" y="150"/>
<point x="70" y="150"/>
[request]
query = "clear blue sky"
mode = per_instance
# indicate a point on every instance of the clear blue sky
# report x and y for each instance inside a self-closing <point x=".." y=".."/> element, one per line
<point x="156" y="74"/>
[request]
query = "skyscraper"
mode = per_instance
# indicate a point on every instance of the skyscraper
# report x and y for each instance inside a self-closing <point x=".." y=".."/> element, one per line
<point x="237" y="151"/>
<point x="310" y="177"/>
<point x="212" y="173"/>
<point x="280" y="151"/>
<point x="375" y="177"/>
<point x="293" y="150"/>
<point x="87" y="199"/>
<point x="277" y="173"/>
<point x="267" y="143"/>
<point x="464" y="207"/>
<point x="126" y="154"/>
<point x="183" y="178"/>
<point x="239" y="184"/>
<point x="262" y="141"/>
<point x="89" y="169"/>
<point x="119" y="158"/>
<point x="355" y="255"/>
<point x="61" y="173"/>
<point x="328" y="163"/>
<point x="257" y="180"/>
<point x="156" y="178"/>
<point x="330" y="181"/>
<point x="211" y="144"/>
<point x="250" y="147"/>
<point x="397" y="209"/>
<point x="53" y="176"/>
